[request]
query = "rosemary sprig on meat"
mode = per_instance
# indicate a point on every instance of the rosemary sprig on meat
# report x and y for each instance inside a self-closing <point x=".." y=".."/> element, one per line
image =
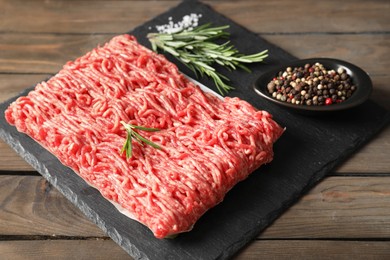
<point x="198" y="51"/>
<point x="132" y="134"/>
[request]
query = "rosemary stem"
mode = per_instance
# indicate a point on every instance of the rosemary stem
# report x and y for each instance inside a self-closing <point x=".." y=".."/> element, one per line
<point x="132" y="134"/>
<point x="198" y="51"/>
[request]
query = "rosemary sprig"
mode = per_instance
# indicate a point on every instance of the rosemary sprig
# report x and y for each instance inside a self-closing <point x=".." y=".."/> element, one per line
<point x="198" y="51"/>
<point x="131" y="133"/>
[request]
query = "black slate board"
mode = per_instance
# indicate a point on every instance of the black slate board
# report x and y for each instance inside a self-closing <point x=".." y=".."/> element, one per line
<point x="308" y="150"/>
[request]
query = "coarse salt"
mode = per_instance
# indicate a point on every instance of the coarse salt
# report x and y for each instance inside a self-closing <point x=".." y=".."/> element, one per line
<point x="188" y="22"/>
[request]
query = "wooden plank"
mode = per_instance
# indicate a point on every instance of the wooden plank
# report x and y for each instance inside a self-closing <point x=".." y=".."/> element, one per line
<point x="303" y="249"/>
<point x="78" y="16"/>
<point x="12" y="84"/>
<point x="258" y="16"/>
<point x="62" y="249"/>
<point x="292" y="17"/>
<point x="46" y="53"/>
<point x="368" y="51"/>
<point x="359" y="162"/>
<point x="259" y="249"/>
<point x="338" y="207"/>
<point x="333" y="209"/>
<point x="11" y="161"/>
<point x="43" y="53"/>
<point x="31" y="206"/>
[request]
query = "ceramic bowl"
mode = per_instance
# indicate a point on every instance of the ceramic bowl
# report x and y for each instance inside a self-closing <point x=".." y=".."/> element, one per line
<point x="359" y="77"/>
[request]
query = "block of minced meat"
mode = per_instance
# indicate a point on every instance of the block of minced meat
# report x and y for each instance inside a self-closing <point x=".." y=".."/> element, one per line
<point x="207" y="144"/>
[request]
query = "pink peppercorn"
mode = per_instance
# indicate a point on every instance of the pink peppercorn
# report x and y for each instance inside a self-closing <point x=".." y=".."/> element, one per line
<point x="328" y="101"/>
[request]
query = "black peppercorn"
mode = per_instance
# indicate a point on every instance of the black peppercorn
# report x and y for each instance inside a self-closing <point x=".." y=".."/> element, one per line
<point x="311" y="85"/>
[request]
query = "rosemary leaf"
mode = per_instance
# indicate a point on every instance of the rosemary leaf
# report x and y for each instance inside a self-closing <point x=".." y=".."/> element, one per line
<point x="131" y="134"/>
<point x="148" y="129"/>
<point x="141" y="139"/>
<point x="198" y="51"/>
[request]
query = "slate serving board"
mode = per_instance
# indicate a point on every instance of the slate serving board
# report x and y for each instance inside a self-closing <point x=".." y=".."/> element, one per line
<point x="309" y="149"/>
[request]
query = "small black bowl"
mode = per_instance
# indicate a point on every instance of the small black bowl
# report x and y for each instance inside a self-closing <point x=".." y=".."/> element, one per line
<point x="359" y="77"/>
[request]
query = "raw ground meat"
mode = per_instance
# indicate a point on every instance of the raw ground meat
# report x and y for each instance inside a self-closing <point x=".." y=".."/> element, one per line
<point x="208" y="144"/>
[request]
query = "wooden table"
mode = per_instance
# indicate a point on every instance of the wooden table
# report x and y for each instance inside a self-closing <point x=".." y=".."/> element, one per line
<point x="346" y="216"/>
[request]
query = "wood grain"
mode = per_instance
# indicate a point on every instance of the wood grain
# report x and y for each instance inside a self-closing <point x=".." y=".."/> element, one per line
<point x="43" y="53"/>
<point x="10" y="161"/>
<point x="259" y="249"/>
<point x="12" y="84"/>
<point x="338" y="207"/>
<point x="78" y="16"/>
<point x="361" y="161"/>
<point x="46" y="53"/>
<point x="371" y="158"/>
<point x="31" y="206"/>
<point x="368" y="51"/>
<point x="258" y="16"/>
<point x="319" y="250"/>
<point x="333" y="209"/>
<point x="96" y="249"/>
<point x="291" y="17"/>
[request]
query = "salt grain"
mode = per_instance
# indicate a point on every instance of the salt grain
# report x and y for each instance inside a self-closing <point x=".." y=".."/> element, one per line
<point x="188" y="23"/>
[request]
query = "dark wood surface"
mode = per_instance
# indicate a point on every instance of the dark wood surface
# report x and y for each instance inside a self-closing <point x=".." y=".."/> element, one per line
<point x="346" y="216"/>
